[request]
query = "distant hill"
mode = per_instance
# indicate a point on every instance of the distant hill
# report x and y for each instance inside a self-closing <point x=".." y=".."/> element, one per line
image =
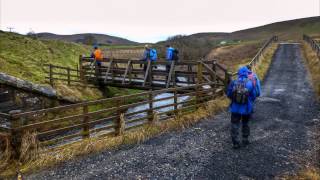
<point x="87" y="38"/>
<point x="287" y="30"/>
<point x="199" y="45"/>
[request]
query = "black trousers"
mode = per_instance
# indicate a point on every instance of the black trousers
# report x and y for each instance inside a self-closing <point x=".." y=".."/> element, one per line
<point x="236" y="120"/>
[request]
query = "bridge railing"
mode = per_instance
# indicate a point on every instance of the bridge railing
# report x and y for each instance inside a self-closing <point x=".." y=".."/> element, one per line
<point x="313" y="43"/>
<point x="61" y="73"/>
<point x="257" y="58"/>
<point x="146" y="75"/>
<point x="112" y="116"/>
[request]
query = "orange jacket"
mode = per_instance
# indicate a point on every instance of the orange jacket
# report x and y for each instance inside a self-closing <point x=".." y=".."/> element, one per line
<point x="98" y="54"/>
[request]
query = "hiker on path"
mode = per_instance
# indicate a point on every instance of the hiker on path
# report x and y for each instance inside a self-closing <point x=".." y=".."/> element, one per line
<point x="242" y="95"/>
<point x="98" y="57"/>
<point x="149" y="54"/>
<point x="171" y="55"/>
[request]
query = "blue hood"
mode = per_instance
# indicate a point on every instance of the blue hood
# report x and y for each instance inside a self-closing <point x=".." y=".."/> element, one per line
<point x="243" y="72"/>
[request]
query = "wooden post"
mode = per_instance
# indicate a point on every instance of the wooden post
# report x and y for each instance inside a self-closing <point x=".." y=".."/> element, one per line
<point x="175" y="101"/>
<point x="50" y="75"/>
<point x="146" y="73"/>
<point x="170" y="75"/>
<point x="227" y="80"/>
<point x="150" y="73"/>
<point x="77" y="71"/>
<point x="150" y="112"/>
<point x="16" y="136"/>
<point x="68" y="72"/>
<point x="112" y="66"/>
<point x="86" y="126"/>
<point x="199" y="81"/>
<point x="199" y="73"/>
<point x="126" y="72"/>
<point x="80" y="68"/>
<point x="119" y="121"/>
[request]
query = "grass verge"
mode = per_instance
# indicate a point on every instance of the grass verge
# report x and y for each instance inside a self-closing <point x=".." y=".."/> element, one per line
<point x="307" y="174"/>
<point x="95" y="145"/>
<point x="263" y="67"/>
<point x="313" y="64"/>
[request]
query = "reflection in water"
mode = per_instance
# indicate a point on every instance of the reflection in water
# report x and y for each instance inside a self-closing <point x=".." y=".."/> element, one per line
<point x="157" y="104"/>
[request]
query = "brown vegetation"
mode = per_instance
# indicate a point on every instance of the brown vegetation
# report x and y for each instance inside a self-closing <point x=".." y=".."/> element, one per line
<point x="233" y="55"/>
<point x="313" y="63"/>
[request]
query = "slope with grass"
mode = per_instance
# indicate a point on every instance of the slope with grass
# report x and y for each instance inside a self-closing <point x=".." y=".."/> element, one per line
<point x="25" y="58"/>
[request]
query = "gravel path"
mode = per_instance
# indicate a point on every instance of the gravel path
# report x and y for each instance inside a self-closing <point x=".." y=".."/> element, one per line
<point x="284" y="139"/>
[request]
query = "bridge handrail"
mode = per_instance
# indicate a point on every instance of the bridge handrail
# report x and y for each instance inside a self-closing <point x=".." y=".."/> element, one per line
<point x="258" y="56"/>
<point x="85" y="116"/>
<point x="313" y="43"/>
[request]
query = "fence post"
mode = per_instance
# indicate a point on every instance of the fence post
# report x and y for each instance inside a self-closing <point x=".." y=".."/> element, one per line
<point x="199" y="82"/>
<point x="81" y="69"/>
<point x="120" y="120"/>
<point x="199" y="73"/>
<point x="175" y="101"/>
<point x="227" y="80"/>
<point x="86" y="126"/>
<point x="16" y="136"/>
<point x="150" y="112"/>
<point x="68" y="72"/>
<point x="50" y="75"/>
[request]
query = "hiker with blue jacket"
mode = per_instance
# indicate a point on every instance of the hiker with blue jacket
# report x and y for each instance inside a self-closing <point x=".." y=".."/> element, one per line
<point x="171" y="55"/>
<point x="242" y="95"/>
<point x="149" y="54"/>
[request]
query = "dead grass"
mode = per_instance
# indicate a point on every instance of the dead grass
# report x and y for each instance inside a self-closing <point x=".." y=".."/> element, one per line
<point x="261" y="68"/>
<point x="77" y="93"/>
<point x="313" y="64"/>
<point x="233" y="55"/>
<point x="5" y="152"/>
<point x="97" y="144"/>
<point x="306" y="174"/>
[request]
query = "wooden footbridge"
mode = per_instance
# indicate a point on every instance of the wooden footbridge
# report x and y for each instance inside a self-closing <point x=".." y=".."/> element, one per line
<point x="184" y="87"/>
<point x="140" y="74"/>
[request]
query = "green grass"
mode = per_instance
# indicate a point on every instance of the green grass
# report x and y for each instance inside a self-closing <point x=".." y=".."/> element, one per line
<point x="25" y="57"/>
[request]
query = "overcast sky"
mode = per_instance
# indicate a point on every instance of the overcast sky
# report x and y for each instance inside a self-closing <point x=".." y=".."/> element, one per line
<point x="148" y="20"/>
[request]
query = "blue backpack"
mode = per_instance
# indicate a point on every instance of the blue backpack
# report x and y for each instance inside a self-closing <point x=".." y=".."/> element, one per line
<point x="153" y="55"/>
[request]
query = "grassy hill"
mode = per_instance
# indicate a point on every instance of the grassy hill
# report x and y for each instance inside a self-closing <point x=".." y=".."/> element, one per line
<point x="199" y="45"/>
<point x="286" y="30"/>
<point x="24" y="57"/>
<point x="87" y="38"/>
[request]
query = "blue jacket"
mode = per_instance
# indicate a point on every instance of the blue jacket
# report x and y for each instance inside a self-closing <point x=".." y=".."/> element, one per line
<point x="150" y="54"/>
<point x="169" y="53"/>
<point x="244" y="109"/>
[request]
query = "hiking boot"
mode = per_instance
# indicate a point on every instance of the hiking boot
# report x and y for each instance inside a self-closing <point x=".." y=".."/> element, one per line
<point x="236" y="146"/>
<point x="245" y="142"/>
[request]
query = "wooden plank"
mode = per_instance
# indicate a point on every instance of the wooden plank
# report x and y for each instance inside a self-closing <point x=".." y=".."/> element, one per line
<point x="146" y="74"/>
<point x="4" y="115"/>
<point x="170" y="74"/>
<point x="61" y="79"/>
<point x="59" y="139"/>
<point x="126" y="72"/>
<point x="63" y="74"/>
